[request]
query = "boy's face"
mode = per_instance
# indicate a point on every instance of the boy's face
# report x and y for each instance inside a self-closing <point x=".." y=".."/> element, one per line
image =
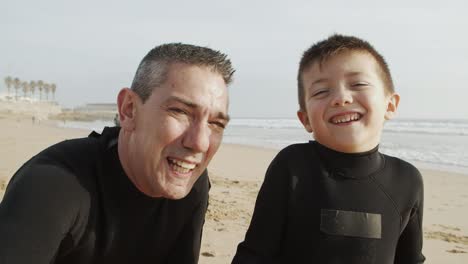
<point x="346" y="102"/>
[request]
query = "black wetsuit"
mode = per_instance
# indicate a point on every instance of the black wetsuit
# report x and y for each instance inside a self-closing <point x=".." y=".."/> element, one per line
<point x="317" y="205"/>
<point x="73" y="203"/>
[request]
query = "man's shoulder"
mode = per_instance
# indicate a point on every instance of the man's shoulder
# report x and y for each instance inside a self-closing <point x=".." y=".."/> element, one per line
<point x="71" y="155"/>
<point x="53" y="191"/>
<point x="68" y="166"/>
<point x="61" y="167"/>
<point x="70" y="147"/>
<point x="78" y="153"/>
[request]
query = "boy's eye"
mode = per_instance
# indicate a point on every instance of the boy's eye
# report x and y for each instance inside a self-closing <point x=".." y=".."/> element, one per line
<point x="319" y="92"/>
<point x="359" y="84"/>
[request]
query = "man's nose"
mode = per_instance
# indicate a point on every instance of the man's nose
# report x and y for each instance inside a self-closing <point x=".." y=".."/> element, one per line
<point x="197" y="137"/>
<point x="341" y="97"/>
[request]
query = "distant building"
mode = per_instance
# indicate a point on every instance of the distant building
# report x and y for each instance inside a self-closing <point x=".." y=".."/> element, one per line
<point x="39" y="109"/>
<point x="98" y="107"/>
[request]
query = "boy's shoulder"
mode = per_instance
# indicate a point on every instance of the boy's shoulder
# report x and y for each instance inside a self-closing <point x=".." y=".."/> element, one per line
<point x="402" y="171"/>
<point x="297" y="156"/>
<point x="296" y="150"/>
<point x="400" y="164"/>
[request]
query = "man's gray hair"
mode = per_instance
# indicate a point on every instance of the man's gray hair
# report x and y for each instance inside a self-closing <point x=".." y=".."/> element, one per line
<point x="153" y="69"/>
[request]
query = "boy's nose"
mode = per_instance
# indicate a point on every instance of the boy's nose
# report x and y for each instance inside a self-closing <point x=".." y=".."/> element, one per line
<point x="341" y="97"/>
<point x="197" y="138"/>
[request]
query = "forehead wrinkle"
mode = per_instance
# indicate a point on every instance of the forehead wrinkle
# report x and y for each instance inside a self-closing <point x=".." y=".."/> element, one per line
<point x="184" y="101"/>
<point x="193" y="105"/>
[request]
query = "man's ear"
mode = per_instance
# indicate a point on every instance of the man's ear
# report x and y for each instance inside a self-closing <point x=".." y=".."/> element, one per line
<point x="304" y="120"/>
<point x="392" y="106"/>
<point x="127" y="101"/>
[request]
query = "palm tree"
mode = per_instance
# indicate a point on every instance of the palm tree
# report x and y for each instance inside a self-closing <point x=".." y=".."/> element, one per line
<point x="25" y="86"/>
<point x="9" y="83"/>
<point x="32" y="87"/>
<point x="16" y="85"/>
<point x="40" y="85"/>
<point x="46" y="90"/>
<point x="53" y="87"/>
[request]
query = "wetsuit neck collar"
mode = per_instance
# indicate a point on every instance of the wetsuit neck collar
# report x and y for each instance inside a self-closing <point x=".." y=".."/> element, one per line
<point x="122" y="185"/>
<point x="350" y="165"/>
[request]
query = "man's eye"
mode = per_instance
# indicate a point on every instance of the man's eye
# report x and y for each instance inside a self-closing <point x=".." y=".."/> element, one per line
<point x="177" y="110"/>
<point x="218" y="124"/>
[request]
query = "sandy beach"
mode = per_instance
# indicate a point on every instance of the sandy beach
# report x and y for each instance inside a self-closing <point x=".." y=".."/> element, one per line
<point x="236" y="175"/>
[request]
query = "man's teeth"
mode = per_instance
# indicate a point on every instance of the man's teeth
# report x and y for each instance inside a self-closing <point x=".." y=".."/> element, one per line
<point x="346" y="118"/>
<point x="180" y="166"/>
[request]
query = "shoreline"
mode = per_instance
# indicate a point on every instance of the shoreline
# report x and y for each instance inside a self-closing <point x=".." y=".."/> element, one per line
<point x="232" y="137"/>
<point x="236" y="174"/>
<point x="422" y="166"/>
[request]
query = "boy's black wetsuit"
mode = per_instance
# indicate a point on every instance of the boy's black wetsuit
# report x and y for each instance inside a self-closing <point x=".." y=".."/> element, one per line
<point x="73" y="203"/>
<point x="317" y="205"/>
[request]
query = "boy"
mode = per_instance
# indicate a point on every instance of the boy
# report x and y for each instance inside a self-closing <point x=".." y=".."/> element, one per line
<point x="338" y="199"/>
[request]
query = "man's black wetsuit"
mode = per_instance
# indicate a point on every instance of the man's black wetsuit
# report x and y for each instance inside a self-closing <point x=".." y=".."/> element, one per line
<point x="73" y="203"/>
<point x="317" y="205"/>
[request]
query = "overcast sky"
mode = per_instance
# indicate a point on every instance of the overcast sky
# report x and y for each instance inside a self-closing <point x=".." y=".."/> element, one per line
<point x="91" y="49"/>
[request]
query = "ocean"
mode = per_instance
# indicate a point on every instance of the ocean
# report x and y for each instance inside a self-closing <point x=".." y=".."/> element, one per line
<point x="433" y="144"/>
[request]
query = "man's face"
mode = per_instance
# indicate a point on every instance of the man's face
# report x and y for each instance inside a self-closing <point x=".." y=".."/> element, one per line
<point x="346" y="103"/>
<point x="177" y="131"/>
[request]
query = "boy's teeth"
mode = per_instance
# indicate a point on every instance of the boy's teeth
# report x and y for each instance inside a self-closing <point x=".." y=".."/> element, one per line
<point x="346" y="118"/>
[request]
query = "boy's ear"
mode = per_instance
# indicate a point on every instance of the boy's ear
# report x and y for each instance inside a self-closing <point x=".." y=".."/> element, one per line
<point x="392" y="106"/>
<point x="302" y="115"/>
<point x="126" y="103"/>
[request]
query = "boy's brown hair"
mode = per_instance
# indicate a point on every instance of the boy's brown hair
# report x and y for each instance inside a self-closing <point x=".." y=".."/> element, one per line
<point x="336" y="44"/>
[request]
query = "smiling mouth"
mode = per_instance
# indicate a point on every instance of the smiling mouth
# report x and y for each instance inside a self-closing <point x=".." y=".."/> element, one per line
<point x="181" y="166"/>
<point x="346" y="118"/>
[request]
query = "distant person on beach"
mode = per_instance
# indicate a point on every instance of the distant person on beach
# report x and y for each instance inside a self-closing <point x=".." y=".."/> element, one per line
<point x="137" y="193"/>
<point x="116" y="120"/>
<point x="338" y="199"/>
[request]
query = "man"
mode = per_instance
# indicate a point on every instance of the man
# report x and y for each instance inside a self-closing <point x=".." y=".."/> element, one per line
<point x="135" y="194"/>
